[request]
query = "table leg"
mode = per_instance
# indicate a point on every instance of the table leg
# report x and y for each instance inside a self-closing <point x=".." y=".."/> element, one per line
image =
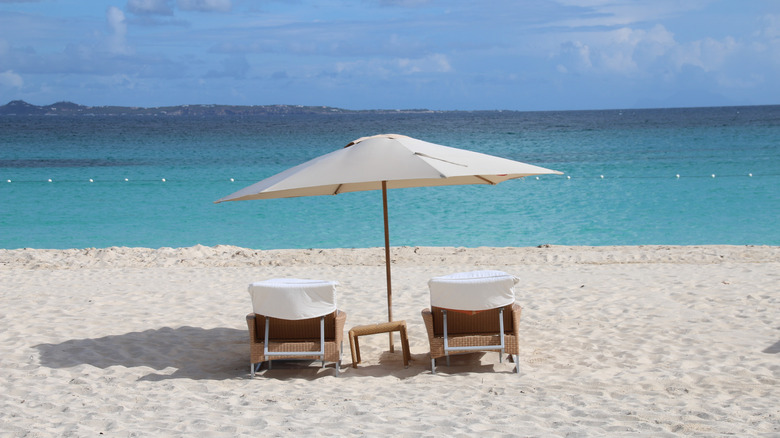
<point x="405" y="346"/>
<point x="352" y="348"/>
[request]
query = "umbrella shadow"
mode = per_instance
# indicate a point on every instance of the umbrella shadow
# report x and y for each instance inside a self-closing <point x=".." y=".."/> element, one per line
<point x="195" y="353"/>
<point x="389" y="364"/>
<point x="773" y="349"/>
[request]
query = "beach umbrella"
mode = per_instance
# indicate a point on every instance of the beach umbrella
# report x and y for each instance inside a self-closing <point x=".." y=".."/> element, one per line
<point x="382" y="162"/>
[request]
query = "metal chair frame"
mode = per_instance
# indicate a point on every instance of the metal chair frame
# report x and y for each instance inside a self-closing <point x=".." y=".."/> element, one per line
<point x="269" y="354"/>
<point x="500" y="347"/>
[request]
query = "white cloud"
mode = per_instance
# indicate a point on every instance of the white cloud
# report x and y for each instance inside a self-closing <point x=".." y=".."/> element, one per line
<point x="633" y="51"/>
<point x="386" y="68"/>
<point x="576" y="55"/>
<point x="707" y="54"/>
<point x="117" y="40"/>
<point x="150" y="8"/>
<point x="595" y="13"/>
<point x="10" y="79"/>
<point x="436" y="63"/>
<point x="120" y="80"/>
<point x="204" y="5"/>
<point x="234" y="66"/>
<point x="767" y="38"/>
<point x="624" y="51"/>
<point x="404" y="3"/>
<point x="145" y="7"/>
<point x="771" y="27"/>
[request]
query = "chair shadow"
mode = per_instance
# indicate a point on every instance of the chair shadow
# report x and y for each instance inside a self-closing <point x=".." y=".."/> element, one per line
<point x="297" y="369"/>
<point x="195" y="353"/>
<point x="773" y="349"/>
<point x="390" y="364"/>
<point x="473" y="363"/>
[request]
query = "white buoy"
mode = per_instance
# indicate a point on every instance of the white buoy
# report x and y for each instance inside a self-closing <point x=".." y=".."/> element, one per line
<point x="232" y="180"/>
<point x="713" y="175"/>
<point x="127" y="179"/>
<point x="8" y="180"/>
<point x="568" y="176"/>
<point x="49" y="179"/>
<point x="750" y="174"/>
<point x="537" y="178"/>
<point x="602" y="176"/>
<point x="678" y="175"/>
<point x="90" y="180"/>
<point x="163" y="180"/>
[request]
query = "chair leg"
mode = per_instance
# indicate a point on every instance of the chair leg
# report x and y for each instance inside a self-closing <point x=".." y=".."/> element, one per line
<point x="433" y="366"/>
<point x="448" y="360"/>
<point x="517" y="363"/>
<point x="252" y="369"/>
<point x="338" y="362"/>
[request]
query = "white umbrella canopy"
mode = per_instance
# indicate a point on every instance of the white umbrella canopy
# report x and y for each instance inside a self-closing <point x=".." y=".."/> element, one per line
<point x="398" y="160"/>
<point x="387" y="161"/>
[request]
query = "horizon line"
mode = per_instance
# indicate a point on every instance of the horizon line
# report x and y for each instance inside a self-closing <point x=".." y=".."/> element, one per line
<point x="326" y="107"/>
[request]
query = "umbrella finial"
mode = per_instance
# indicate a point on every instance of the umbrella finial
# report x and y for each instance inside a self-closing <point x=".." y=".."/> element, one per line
<point x="354" y="142"/>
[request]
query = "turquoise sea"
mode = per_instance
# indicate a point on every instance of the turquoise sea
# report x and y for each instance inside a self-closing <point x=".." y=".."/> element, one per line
<point x="107" y="185"/>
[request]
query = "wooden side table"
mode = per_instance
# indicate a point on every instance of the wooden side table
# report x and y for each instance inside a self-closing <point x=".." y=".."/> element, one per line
<point x="373" y="329"/>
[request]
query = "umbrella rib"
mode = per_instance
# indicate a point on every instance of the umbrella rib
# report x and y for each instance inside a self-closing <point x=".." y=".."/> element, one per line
<point x="435" y="158"/>
<point x="486" y="180"/>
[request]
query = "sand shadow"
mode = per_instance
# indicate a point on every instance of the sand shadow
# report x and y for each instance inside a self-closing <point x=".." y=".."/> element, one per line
<point x="297" y="369"/>
<point x="467" y="363"/>
<point x="193" y="353"/>
<point x="390" y="364"/>
<point x="773" y="349"/>
<point x="463" y="363"/>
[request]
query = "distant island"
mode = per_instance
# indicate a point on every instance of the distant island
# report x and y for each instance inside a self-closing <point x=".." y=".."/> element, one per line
<point x="22" y="108"/>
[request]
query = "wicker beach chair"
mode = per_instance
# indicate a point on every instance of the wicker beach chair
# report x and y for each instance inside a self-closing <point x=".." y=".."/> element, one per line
<point x="473" y="311"/>
<point x="294" y="319"/>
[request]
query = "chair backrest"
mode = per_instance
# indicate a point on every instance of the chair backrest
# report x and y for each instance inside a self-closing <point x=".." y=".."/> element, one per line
<point x="286" y="330"/>
<point x="463" y="323"/>
<point x="292" y="298"/>
<point x="473" y="291"/>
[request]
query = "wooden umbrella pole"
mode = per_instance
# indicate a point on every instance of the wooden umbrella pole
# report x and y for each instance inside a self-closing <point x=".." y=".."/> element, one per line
<point x="387" y="262"/>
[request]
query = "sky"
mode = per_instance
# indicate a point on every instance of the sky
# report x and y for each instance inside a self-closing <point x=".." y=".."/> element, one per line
<point x="523" y="55"/>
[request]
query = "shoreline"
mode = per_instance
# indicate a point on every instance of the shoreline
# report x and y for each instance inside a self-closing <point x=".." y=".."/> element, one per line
<point x="234" y="256"/>
<point x="652" y="340"/>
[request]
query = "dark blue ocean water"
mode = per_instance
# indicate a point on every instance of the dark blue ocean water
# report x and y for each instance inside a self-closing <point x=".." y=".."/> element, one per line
<point x="639" y="200"/>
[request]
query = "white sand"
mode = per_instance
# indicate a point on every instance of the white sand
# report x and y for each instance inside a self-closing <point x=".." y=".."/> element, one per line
<point x="617" y="341"/>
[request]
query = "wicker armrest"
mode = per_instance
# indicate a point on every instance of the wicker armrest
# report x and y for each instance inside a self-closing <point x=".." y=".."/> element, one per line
<point x="250" y="322"/>
<point x="427" y="317"/>
<point x="341" y="319"/>
<point x="516" y="311"/>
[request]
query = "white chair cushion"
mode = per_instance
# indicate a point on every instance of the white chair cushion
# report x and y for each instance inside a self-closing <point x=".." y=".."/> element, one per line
<point x="292" y="298"/>
<point x="474" y="291"/>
